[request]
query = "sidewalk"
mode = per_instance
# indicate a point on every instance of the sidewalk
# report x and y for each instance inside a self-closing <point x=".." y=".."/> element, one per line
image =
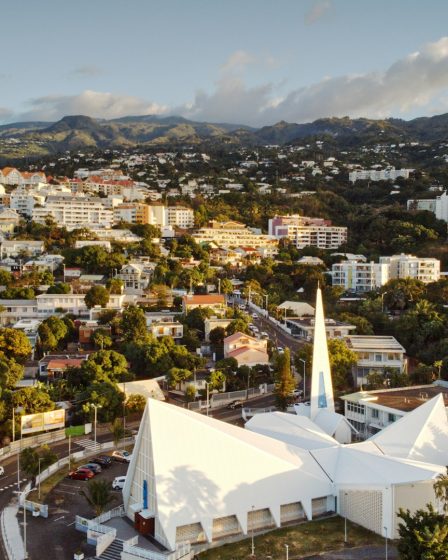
<point x="11" y="533"/>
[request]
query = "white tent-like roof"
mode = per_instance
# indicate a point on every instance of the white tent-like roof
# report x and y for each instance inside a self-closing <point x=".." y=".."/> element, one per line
<point x="204" y="469"/>
<point x="291" y="429"/>
<point x="421" y="435"/>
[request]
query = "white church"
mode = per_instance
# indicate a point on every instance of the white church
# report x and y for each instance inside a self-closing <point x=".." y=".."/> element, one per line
<point x="197" y="480"/>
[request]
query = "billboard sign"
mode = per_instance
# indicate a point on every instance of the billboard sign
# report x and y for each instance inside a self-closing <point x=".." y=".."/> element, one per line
<point x="42" y="421"/>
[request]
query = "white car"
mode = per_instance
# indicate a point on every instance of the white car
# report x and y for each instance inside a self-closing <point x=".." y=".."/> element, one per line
<point x="121" y="456"/>
<point x="118" y="483"/>
<point x="2" y="470"/>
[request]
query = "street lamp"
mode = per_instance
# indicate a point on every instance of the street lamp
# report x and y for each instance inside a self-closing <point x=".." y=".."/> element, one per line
<point x="382" y="301"/>
<point x="248" y="381"/>
<point x="385" y="531"/>
<point x="14" y="411"/>
<point x="252" y="528"/>
<point x="207" y="383"/>
<point x="96" y="407"/>
<point x="287" y="551"/>
<point x="304" y="376"/>
<point x="345" y="518"/>
<point x="40" y="459"/>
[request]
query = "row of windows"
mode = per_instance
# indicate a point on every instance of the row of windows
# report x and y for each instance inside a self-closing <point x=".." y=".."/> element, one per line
<point x="355" y="407"/>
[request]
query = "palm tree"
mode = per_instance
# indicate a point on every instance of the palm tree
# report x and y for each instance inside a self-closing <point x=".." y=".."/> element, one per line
<point x="98" y="495"/>
<point x="441" y="490"/>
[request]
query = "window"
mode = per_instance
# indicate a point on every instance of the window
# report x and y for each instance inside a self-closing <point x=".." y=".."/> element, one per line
<point x="391" y="417"/>
<point x="375" y="413"/>
<point x="378" y="357"/>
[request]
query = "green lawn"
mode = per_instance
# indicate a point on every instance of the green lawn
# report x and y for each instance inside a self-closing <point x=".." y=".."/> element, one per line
<point x="304" y="539"/>
<point x="75" y="431"/>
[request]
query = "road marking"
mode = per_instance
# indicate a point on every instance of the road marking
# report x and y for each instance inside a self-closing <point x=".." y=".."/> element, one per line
<point x="64" y="492"/>
<point x="59" y="518"/>
<point x="72" y="523"/>
<point x="69" y="486"/>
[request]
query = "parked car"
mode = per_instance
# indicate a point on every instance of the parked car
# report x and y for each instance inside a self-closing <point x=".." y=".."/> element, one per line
<point x="81" y="474"/>
<point x="121" y="456"/>
<point x="264" y="334"/>
<point x="94" y="467"/>
<point x="2" y="470"/>
<point x="118" y="482"/>
<point x="235" y="404"/>
<point x="297" y="393"/>
<point x="280" y="349"/>
<point x="104" y="461"/>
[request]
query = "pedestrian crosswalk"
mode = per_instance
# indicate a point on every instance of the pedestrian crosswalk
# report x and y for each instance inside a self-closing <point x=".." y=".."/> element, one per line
<point x="88" y="444"/>
<point x="7" y="487"/>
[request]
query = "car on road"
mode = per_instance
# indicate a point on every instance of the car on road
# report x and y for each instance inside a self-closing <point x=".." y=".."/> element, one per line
<point x="94" y="467"/>
<point x="280" y="349"/>
<point x="264" y="334"/>
<point x="254" y="315"/>
<point x="104" y="461"/>
<point x="81" y="474"/>
<point x="118" y="482"/>
<point x="121" y="456"/>
<point x="296" y="393"/>
<point x="2" y="470"/>
<point x="235" y="404"/>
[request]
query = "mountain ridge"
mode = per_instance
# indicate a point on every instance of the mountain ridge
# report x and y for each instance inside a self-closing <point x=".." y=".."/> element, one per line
<point x="81" y="131"/>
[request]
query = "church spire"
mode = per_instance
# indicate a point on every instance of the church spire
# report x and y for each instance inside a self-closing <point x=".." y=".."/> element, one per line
<point x="321" y="384"/>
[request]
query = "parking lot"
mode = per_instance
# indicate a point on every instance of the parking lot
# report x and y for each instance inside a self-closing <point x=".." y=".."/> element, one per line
<point x="65" y="501"/>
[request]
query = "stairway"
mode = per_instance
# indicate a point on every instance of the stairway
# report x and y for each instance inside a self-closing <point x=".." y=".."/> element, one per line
<point x="112" y="552"/>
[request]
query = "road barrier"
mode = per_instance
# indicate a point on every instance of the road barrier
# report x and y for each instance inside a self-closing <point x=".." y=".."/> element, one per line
<point x="31" y="441"/>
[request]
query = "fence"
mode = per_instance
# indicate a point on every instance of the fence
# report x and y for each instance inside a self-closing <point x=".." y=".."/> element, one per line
<point x="221" y="399"/>
<point x="31" y="441"/>
<point x="106" y="516"/>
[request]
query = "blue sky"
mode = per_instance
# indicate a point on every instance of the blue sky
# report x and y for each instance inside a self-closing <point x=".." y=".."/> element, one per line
<point x="244" y="61"/>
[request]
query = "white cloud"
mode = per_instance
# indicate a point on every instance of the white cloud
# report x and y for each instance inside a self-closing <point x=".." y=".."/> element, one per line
<point x="92" y="103"/>
<point x="318" y="10"/>
<point x="409" y="83"/>
<point x="417" y="81"/>
<point x="237" y="62"/>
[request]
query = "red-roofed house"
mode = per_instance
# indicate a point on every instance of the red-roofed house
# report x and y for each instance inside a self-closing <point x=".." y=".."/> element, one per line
<point x="216" y="302"/>
<point x="246" y="350"/>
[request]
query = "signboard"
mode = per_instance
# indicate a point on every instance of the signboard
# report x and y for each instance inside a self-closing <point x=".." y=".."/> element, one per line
<point x="42" y="421"/>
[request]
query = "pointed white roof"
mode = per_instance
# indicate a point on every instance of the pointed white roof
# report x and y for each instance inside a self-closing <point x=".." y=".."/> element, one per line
<point x="321" y="384"/>
<point x="421" y="435"/>
<point x="291" y="429"/>
<point x="205" y="468"/>
<point x="354" y="465"/>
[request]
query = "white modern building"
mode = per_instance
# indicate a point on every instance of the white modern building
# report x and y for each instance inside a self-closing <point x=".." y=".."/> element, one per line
<point x="223" y="481"/>
<point x="388" y="174"/>
<point x="180" y="217"/>
<point x="75" y="211"/>
<point x="307" y="232"/>
<point x="375" y="355"/>
<point x="19" y="247"/>
<point x="359" y="276"/>
<point x="408" y="266"/>
<point x="372" y="411"/>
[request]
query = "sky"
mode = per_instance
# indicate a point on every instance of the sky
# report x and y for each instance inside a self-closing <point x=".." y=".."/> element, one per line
<point x="252" y="62"/>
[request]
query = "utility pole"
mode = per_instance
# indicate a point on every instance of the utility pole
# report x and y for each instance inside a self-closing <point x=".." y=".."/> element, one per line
<point x="252" y="536"/>
<point x="69" y="451"/>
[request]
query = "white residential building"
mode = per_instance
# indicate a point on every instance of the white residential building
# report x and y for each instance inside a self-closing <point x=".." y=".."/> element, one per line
<point x="438" y="205"/>
<point x="372" y="411"/>
<point x="408" y="266"/>
<point x="428" y="204"/>
<point x="359" y="276"/>
<point x="24" y="201"/>
<point x="75" y="211"/>
<point x="308" y="232"/>
<point x="389" y="174"/>
<point x="17" y="247"/>
<point x="15" y="310"/>
<point x="375" y="355"/>
<point x="181" y="217"/>
<point x="51" y="304"/>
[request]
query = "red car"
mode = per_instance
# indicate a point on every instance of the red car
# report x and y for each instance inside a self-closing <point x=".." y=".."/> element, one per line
<point x="81" y="474"/>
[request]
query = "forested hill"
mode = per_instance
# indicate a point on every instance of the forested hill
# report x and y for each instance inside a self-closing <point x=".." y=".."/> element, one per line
<point x="81" y="132"/>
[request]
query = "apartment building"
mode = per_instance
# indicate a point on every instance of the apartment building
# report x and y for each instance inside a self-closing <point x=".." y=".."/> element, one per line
<point x="17" y="247"/>
<point x="375" y="354"/>
<point x="408" y="266"/>
<point x="388" y="174"/>
<point x="14" y="310"/>
<point x="136" y="275"/>
<point x="139" y="213"/>
<point x="9" y="220"/>
<point x="51" y="304"/>
<point x="303" y="328"/>
<point x="75" y="211"/>
<point x="371" y="411"/>
<point x="308" y="232"/>
<point x="232" y="234"/>
<point x="24" y="201"/>
<point x="180" y="217"/>
<point x="359" y="276"/>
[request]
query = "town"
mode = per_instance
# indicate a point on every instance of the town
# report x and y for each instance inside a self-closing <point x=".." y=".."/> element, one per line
<point x="191" y="278"/>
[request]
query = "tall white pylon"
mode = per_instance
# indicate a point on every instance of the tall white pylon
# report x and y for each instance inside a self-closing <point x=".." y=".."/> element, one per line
<point x="321" y="385"/>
